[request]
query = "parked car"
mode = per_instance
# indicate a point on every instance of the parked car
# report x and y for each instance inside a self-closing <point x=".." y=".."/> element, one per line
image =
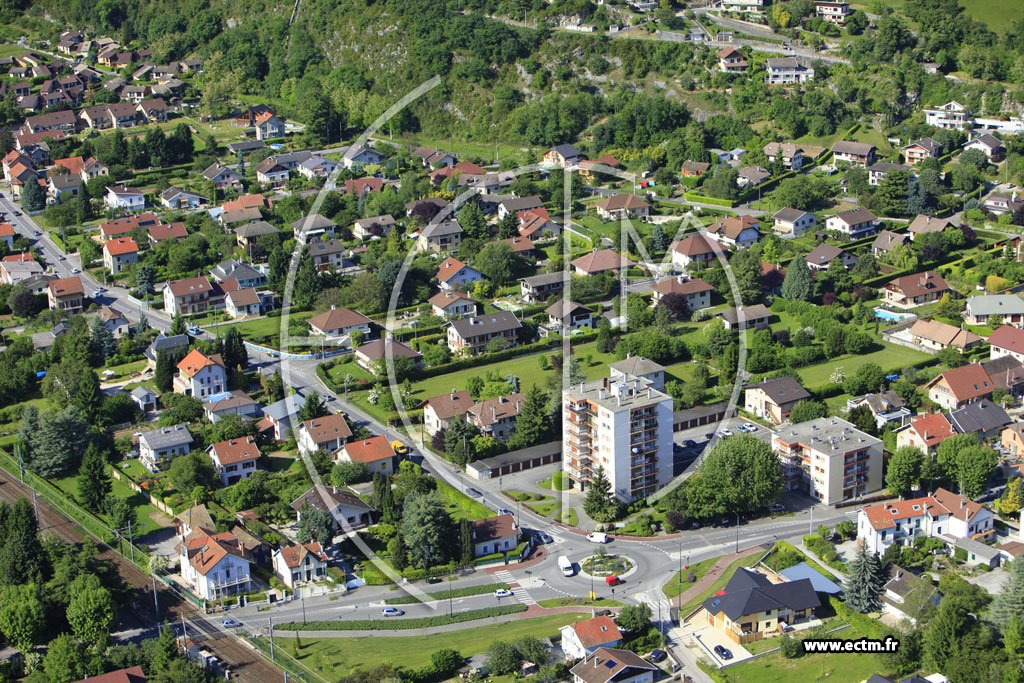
<point x="776" y="507"/>
<point x="36" y="233"/>
<point x="230" y="623"/>
<point x="690" y="443"/>
<point x="748" y="427"/>
<point x="502" y="593"/>
<point x="722" y="652"/>
<point x="76" y="271"/>
<point x="724" y="432"/>
<point x="195" y="331"/>
<point x="391" y="612"/>
<point x="17" y="213"/>
<point x="612" y="580"/>
<point x="101" y="289"/>
<point x="62" y="257"/>
<point x="597" y="537"/>
<point x="474" y="493"/>
<point x="399" y="448"/>
<point x="657" y="656"/>
<point x="504" y="511"/>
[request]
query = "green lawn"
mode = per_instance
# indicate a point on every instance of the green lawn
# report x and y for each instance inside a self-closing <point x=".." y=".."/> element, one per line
<point x="484" y="150"/>
<point x="674" y="588"/>
<point x="122" y="371"/>
<point x="336" y="657"/>
<point x="567" y="516"/>
<point x="460" y="506"/>
<point x="774" y="668"/>
<point x="545" y="509"/>
<point x="573" y="602"/>
<point x="526" y="497"/>
<point x="888" y="358"/>
<point x="264" y="327"/>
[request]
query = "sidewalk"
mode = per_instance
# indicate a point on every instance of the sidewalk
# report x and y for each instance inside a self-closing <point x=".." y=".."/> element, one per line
<point x="713" y="574"/>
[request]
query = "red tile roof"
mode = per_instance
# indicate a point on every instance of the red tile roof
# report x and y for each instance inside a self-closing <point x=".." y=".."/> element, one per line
<point x="327" y="428"/>
<point x="1009" y="338"/>
<point x="886" y="515"/>
<point x="597" y="631"/>
<point x="967" y="382"/>
<point x="132" y="675"/>
<point x="196" y="361"/>
<point x="236" y="450"/>
<point x="369" y="450"/>
<point x="601" y="260"/>
<point x="450" y="405"/>
<point x="192" y="285"/>
<point x="932" y="429"/>
<point x="338" y="318"/>
<point x="67" y="286"/>
<point x="205" y="551"/>
<point x="695" y="245"/>
<point x="920" y="283"/>
<point x="493" y="528"/>
<point x="167" y="231"/>
<point x="449" y="268"/>
<point x="121" y="245"/>
<point x="293" y="555"/>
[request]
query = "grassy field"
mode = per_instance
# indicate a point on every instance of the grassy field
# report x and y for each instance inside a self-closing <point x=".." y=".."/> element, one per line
<point x="460" y="506"/>
<point x="484" y="150"/>
<point x="337" y="657"/>
<point x="545" y="509"/>
<point x="567" y="516"/>
<point x="888" y="358"/>
<point x="774" y="668"/>
<point x="674" y="587"/>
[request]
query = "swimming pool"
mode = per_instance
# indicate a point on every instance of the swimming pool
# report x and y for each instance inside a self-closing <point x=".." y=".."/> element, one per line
<point x="889" y="316"/>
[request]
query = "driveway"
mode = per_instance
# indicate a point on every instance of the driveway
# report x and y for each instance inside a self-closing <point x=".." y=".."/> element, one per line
<point x="708" y="638"/>
<point x="991" y="581"/>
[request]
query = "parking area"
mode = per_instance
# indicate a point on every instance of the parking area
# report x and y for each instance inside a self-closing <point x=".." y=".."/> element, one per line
<point x="690" y="444"/>
<point x="708" y="638"/>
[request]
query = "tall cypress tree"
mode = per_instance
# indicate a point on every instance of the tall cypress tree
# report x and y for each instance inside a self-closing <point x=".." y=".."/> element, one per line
<point x="22" y="559"/>
<point x="89" y="398"/>
<point x="466" y="543"/>
<point x="797" y="285"/>
<point x="163" y="376"/>
<point x="177" y="325"/>
<point x="94" y="485"/>
<point x="864" y="582"/>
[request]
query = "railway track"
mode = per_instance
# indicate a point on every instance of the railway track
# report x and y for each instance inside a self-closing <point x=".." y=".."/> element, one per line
<point x="244" y="663"/>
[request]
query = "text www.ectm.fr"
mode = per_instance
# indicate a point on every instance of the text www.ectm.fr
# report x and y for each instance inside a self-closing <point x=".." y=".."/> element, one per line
<point x="835" y="645"/>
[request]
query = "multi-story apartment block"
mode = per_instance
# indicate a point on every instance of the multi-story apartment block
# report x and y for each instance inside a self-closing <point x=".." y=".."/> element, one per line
<point x="624" y="427"/>
<point x="829" y="459"/>
<point x="192" y="295"/>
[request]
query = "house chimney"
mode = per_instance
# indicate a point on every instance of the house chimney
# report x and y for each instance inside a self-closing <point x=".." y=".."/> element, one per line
<point x="494" y="413"/>
<point x="597" y="660"/>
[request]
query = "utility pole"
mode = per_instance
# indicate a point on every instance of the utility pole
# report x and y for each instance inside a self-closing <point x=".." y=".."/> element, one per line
<point x="156" y="603"/>
<point x="737" y="532"/>
<point x="131" y="546"/>
<point x="270" y="620"/>
<point x="21" y="463"/>
<point x="302" y="601"/>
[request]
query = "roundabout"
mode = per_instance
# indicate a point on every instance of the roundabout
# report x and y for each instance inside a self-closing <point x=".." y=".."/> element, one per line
<point x="603" y="565"/>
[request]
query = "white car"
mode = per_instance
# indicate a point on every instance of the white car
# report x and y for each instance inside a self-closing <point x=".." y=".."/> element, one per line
<point x="391" y="612"/>
<point x="76" y="270"/>
<point x="750" y="427"/>
<point x="725" y="432"/>
<point x="230" y="623"/>
<point x="502" y="593"/>
<point x="597" y="537"/>
<point x="101" y="289"/>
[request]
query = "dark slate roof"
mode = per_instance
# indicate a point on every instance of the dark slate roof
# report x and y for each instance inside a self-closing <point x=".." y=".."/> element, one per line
<point x="750" y="592"/>
<point x="164" y="343"/>
<point x="980" y="416"/>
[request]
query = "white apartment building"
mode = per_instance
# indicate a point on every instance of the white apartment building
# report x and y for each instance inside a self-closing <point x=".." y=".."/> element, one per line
<point x="951" y="116"/>
<point x="944" y="515"/>
<point x="622" y="425"/>
<point x="829" y="459"/>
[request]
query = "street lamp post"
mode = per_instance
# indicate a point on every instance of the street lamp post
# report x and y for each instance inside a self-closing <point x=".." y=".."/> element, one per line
<point x="737" y="532"/>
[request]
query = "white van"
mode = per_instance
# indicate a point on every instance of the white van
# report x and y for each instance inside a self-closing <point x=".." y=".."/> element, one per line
<point x="566" y="566"/>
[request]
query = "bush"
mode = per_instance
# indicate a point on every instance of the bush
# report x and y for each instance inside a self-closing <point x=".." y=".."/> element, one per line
<point x="790" y="647"/>
<point x="824" y="550"/>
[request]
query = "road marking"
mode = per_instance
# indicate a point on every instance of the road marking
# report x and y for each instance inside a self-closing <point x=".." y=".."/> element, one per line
<point x="522" y="595"/>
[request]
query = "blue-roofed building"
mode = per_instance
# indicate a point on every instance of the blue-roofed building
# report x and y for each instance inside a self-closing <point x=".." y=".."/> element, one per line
<point x="821" y="583"/>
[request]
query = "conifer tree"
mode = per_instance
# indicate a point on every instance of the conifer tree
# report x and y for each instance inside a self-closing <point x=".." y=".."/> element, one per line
<point x="864" y="582"/>
<point x="797" y="285"/>
<point x="94" y="485"/>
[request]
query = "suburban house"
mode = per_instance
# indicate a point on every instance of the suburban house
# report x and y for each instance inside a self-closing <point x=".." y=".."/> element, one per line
<point x="1007" y="373"/>
<point x="919" y="150"/>
<point x="585" y="637"/>
<point x="280" y="415"/>
<point x="375" y="452"/>
<point x="902" y="591"/>
<point x="752" y="176"/>
<point x="158" y="446"/>
<point x="742" y="318"/>
<point x="540" y="288"/>
<point x="473" y="336"/>
<point x="119" y="254"/>
<point x="752" y="607"/>
<point x="431" y="157"/>
<point x="234" y="459"/>
<point x="239" y="303"/>
<point x="66" y="294"/>
<point x="949" y="116"/>
<point x="925" y="432"/>
<point x="494" y="535"/>
<point x="127" y="198"/>
<point x="696" y="249"/>
<point x="438" y="237"/>
<point x="200" y="375"/>
<point x="328" y="255"/>
<point x="213" y="565"/>
<point x="144" y="398"/>
<point x="774" y="398"/>
<point x="829" y="459"/>
<point x="194" y="295"/>
<point x="600" y="260"/>
<point x="377" y="226"/>
<point x="114" y="321"/>
<point x="957" y="387"/>
<point x="622" y="206"/>
<point x="792" y="155"/>
<point x="440" y="410"/>
<point x="517" y="204"/>
<point x="793" y="222"/>
<point x="496" y="417"/>
<point x="736" y="231"/>
<point x="638" y="366"/>
<point x="944" y="514"/>
<point x="562" y="156"/>
<point x="824" y="254"/>
<point x="313" y="226"/>
<point x="249" y="233"/>
<point x="357" y="156"/>
<point x="621" y="666"/>
<point x="694" y="169"/>
<point x="992" y="146"/>
<point x="786" y="71"/>
<point x="982" y="418"/>
<point x="452" y="304"/>
<point x="454" y="274"/>
<point x="235" y="402"/>
<point x="297" y="564"/>
<point x="934" y="336"/>
<point x="565" y="317"/>
<point x="855" y="223"/>
<point x="123" y="226"/>
<point x="696" y="292"/>
<point x="339" y="323"/>
<point x="854" y="153"/>
<point x="268" y="127"/>
<point x="887" y="241"/>
<point x="1007" y="341"/>
<point x="880" y="169"/>
<point x="1008" y="307"/>
<point x="271" y="172"/>
<point x="1012" y="439"/>
<point x="913" y="290"/>
<point x="886" y="406"/>
<point x="1002" y="202"/>
<point x="241" y="272"/>
<point x="372" y="355"/>
<point x="327" y="433"/>
<point x="832" y="11"/>
<point x="176" y="344"/>
<point x="731" y="60"/>
<point x="166" y="231"/>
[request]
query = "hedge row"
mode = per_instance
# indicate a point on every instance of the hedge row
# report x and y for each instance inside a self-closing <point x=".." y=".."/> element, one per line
<point x="403" y="624"/>
<point x="444" y="595"/>
<point x="701" y="199"/>
<point x="862" y="622"/>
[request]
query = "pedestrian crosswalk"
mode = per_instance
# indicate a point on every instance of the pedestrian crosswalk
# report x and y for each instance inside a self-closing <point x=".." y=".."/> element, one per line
<point x="661" y="609"/>
<point x="522" y="595"/>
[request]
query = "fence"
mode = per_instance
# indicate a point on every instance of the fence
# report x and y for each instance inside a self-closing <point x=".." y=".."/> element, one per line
<point x="278" y="353"/>
<point x="135" y="486"/>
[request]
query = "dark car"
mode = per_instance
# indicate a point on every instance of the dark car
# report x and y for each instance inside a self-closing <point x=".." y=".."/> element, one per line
<point x="722" y="652"/>
<point x="657" y="656"/>
<point x="474" y="493"/>
<point x="690" y="443"/>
